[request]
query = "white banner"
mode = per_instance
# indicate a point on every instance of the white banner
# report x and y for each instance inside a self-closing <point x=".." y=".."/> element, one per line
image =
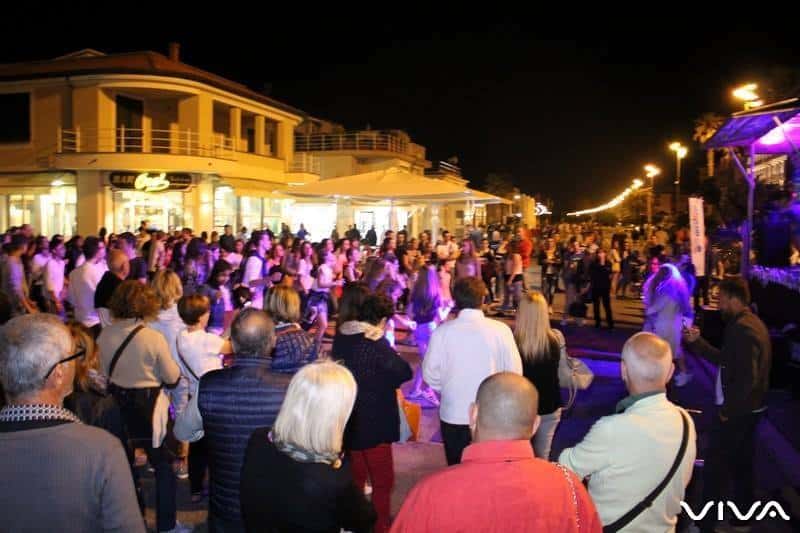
<point x="697" y="231"/>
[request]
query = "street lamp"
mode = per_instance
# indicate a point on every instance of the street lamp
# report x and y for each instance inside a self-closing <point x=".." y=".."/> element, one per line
<point x="651" y="172"/>
<point x="680" y="153"/>
<point x="747" y="94"/>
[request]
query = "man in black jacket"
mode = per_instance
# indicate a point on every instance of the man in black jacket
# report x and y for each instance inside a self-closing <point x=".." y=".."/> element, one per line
<point x="741" y="385"/>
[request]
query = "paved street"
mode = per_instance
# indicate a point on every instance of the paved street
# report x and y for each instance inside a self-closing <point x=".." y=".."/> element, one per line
<point x="777" y="456"/>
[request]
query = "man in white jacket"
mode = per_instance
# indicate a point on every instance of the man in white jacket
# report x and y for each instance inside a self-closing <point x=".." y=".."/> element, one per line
<point x="628" y="454"/>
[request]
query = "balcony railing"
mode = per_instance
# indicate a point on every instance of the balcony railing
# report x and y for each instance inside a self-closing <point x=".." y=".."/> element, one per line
<point x="304" y="162"/>
<point x="127" y="140"/>
<point x="366" y="141"/>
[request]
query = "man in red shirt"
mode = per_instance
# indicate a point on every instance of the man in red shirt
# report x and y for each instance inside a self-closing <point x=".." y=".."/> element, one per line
<point x="500" y="485"/>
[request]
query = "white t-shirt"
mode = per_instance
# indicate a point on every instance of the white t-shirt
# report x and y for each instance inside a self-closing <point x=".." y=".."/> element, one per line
<point x="200" y="350"/>
<point x="38" y="263"/>
<point x="82" y="286"/>
<point x="254" y="271"/>
<point x="324" y="279"/>
<point x="446" y="250"/>
<point x="304" y="273"/>
<point x="54" y="276"/>
<point x="234" y="259"/>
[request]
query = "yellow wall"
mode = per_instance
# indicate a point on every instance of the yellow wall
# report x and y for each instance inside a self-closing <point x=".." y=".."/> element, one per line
<point x="334" y="166"/>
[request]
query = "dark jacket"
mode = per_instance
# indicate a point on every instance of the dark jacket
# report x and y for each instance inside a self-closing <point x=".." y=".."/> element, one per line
<point x="371" y="238"/>
<point x="293" y="348"/>
<point x="378" y="371"/>
<point x="744" y="363"/>
<point x="281" y="494"/>
<point x="543" y="373"/>
<point x="233" y="403"/>
<point x="227" y="242"/>
<point x="105" y="288"/>
<point x="600" y="276"/>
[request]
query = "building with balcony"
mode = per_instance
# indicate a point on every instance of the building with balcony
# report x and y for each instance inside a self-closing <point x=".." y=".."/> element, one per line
<point x="91" y="140"/>
<point x="378" y="178"/>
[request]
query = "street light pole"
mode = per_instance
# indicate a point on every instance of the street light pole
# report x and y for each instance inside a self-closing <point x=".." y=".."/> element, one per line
<point x="680" y="153"/>
<point x="652" y="171"/>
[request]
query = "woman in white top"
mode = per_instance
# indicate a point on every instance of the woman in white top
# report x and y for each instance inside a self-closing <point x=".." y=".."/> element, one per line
<point x="54" y="276"/>
<point x="320" y="292"/>
<point x="513" y="271"/>
<point x="236" y="257"/>
<point x="304" y="268"/>
<point x="468" y="264"/>
<point x="38" y="262"/>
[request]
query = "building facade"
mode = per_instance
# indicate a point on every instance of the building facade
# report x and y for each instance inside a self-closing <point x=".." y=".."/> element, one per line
<point x="91" y="140"/>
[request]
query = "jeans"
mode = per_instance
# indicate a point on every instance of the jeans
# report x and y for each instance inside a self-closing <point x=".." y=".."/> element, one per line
<point x="136" y="406"/>
<point x="729" y="459"/>
<point x="456" y="438"/>
<point x="549" y="286"/>
<point x="376" y="464"/>
<point x="571" y="297"/>
<point x="542" y="440"/>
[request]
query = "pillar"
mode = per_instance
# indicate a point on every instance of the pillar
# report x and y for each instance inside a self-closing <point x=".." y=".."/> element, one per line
<point x="260" y="125"/>
<point x="91" y="202"/>
<point x="235" y="125"/>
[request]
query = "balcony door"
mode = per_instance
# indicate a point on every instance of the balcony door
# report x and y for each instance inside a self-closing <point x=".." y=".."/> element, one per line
<point x="129" y="124"/>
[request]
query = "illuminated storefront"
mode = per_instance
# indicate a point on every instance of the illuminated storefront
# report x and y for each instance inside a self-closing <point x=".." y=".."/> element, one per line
<point x="47" y="202"/>
<point x="166" y="201"/>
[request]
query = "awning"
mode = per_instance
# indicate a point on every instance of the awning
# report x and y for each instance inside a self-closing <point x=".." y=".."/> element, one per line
<point x="257" y="189"/>
<point x="378" y="185"/>
<point x="393" y="184"/>
<point x="758" y="127"/>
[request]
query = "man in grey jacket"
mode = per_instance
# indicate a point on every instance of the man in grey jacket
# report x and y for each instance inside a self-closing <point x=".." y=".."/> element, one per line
<point x="742" y="382"/>
<point x="58" y="474"/>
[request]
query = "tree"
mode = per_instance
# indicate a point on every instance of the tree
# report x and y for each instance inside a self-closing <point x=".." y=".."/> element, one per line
<point x="704" y="128"/>
<point x="501" y="185"/>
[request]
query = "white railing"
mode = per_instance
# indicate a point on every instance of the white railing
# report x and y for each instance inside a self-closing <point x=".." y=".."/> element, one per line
<point x="385" y="142"/>
<point x="304" y="162"/>
<point x="127" y="140"/>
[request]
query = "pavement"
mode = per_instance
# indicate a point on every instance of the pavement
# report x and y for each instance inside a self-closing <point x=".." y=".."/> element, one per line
<point x="777" y="456"/>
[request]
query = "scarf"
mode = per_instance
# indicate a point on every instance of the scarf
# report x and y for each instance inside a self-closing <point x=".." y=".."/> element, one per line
<point x="304" y="456"/>
<point x="354" y="327"/>
<point x="36" y="412"/>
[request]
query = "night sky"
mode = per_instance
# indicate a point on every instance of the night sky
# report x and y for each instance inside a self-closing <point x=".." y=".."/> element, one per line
<point x="569" y="113"/>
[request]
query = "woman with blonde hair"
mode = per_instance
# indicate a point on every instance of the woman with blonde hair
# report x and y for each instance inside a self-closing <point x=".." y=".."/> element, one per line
<point x="298" y="464"/>
<point x="540" y="347"/>
<point x="294" y="347"/>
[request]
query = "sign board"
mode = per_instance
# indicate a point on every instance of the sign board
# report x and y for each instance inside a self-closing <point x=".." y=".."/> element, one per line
<point x="697" y="233"/>
<point x="150" y="181"/>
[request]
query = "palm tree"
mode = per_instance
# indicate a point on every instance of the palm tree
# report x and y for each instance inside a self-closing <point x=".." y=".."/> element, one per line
<point x="704" y="128"/>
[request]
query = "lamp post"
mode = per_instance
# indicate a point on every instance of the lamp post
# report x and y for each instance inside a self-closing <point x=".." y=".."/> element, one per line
<point x="680" y="153"/>
<point x="651" y="172"/>
<point x="747" y="94"/>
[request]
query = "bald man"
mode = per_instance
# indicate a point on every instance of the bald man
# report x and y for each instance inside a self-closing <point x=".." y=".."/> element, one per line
<point x="118" y="270"/>
<point x="500" y="485"/>
<point x="629" y="454"/>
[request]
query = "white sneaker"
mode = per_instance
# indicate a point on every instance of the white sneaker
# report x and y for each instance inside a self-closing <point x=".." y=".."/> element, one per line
<point x="181" y="528"/>
<point x="682" y="378"/>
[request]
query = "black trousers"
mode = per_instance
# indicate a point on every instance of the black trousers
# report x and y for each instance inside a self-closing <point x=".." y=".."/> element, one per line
<point x="701" y="289"/>
<point x="605" y="297"/>
<point x="136" y="406"/>
<point x="549" y="286"/>
<point x="729" y="460"/>
<point x="456" y="438"/>
<point x="198" y="462"/>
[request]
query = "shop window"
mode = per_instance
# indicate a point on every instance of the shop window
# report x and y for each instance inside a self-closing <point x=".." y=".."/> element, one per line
<point x="224" y="208"/>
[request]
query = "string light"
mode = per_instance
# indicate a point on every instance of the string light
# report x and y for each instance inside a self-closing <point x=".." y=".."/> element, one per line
<point x="637" y="183"/>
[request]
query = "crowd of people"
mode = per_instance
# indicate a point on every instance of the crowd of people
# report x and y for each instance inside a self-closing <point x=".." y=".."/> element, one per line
<point x="203" y="357"/>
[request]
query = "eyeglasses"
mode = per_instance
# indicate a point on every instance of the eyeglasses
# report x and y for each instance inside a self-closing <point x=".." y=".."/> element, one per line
<point x="80" y="353"/>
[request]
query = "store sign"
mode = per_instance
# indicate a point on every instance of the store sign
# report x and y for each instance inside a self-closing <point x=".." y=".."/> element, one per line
<point x="150" y="181"/>
<point x="542" y="209"/>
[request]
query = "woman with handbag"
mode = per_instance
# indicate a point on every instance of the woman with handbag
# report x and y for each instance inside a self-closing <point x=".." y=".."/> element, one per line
<point x="375" y="421"/>
<point x="540" y="347"/>
<point x="138" y="363"/>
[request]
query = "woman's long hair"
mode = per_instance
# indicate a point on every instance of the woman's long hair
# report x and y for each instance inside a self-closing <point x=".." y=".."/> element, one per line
<point x="426" y="296"/>
<point x="532" y="327"/>
<point x="667" y="282"/>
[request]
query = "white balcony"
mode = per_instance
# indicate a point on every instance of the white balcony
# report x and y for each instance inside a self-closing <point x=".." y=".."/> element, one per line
<point x="361" y="141"/>
<point x="126" y="140"/>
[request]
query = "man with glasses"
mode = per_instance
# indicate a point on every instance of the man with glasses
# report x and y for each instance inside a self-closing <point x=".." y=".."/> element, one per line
<point x="58" y="474"/>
